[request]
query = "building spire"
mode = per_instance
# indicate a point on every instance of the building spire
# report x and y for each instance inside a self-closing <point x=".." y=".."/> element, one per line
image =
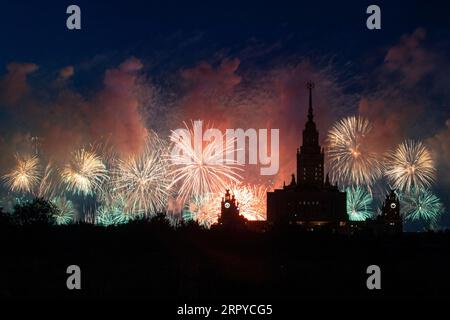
<point x="310" y="86"/>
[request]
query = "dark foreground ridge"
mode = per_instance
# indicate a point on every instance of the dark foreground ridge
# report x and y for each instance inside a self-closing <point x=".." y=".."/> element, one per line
<point x="151" y="260"/>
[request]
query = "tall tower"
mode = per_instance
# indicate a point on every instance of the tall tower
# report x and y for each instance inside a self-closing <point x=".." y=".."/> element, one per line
<point x="390" y="217"/>
<point x="310" y="157"/>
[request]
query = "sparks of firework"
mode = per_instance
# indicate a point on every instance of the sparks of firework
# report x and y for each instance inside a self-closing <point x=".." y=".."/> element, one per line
<point x="112" y="200"/>
<point x="143" y="180"/>
<point x="409" y="166"/>
<point x="66" y="211"/>
<point x="113" y="212"/>
<point x="421" y="204"/>
<point x="252" y="200"/>
<point x="200" y="171"/>
<point x="25" y="176"/>
<point x="48" y="186"/>
<point x="85" y="173"/>
<point x="204" y="209"/>
<point x="106" y="149"/>
<point x="110" y="216"/>
<point x="350" y="161"/>
<point x="89" y="216"/>
<point x="359" y="204"/>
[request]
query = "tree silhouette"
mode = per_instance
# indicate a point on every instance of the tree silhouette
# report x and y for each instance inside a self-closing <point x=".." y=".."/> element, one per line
<point x="5" y="218"/>
<point x="37" y="212"/>
<point x="161" y="221"/>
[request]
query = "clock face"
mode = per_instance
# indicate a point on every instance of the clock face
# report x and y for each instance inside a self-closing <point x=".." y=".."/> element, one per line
<point x="227" y="205"/>
<point x="393" y="205"/>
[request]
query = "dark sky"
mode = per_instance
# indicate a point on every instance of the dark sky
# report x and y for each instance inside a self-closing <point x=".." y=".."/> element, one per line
<point x="169" y="36"/>
<point x="36" y="31"/>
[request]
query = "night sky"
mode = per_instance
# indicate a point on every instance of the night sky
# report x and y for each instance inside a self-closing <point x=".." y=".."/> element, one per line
<point x="139" y="65"/>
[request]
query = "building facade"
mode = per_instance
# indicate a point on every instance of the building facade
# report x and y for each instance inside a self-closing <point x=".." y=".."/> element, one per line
<point x="390" y="219"/>
<point x="229" y="212"/>
<point x="308" y="200"/>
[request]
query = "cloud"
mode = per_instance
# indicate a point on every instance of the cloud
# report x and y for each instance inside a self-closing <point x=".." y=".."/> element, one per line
<point x="115" y="111"/>
<point x="206" y="91"/>
<point x="409" y="99"/>
<point x="391" y="116"/>
<point x="204" y="76"/>
<point x="410" y="59"/>
<point x="131" y="65"/>
<point x="14" y="86"/>
<point x="224" y="95"/>
<point x="396" y="100"/>
<point x="440" y="147"/>
<point x="273" y="99"/>
<point x="66" y="73"/>
<point x="281" y="101"/>
<point x="65" y="120"/>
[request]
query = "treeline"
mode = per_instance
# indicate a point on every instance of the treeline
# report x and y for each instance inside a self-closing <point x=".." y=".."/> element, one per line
<point x="41" y="212"/>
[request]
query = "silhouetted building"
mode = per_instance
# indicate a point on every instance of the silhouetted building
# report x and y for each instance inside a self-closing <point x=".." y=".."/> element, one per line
<point x="229" y="212"/>
<point x="389" y="221"/>
<point x="308" y="201"/>
<point x="390" y="217"/>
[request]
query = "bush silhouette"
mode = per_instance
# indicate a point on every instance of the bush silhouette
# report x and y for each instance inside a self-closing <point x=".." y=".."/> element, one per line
<point x="5" y="218"/>
<point x="37" y="212"/>
<point x="190" y="226"/>
<point x="160" y="221"/>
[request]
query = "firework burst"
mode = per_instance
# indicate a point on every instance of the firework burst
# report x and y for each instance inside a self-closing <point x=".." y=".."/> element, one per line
<point x="359" y="204"/>
<point x="199" y="172"/>
<point x="206" y="208"/>
<point x="252" y="200"/>
<point x="350" y="161"/>
<point x="110" y="216"/>
<point x="409" y="166"/>
<point x="421" y="204"/>
<point x="85" y="173"/>
<point x="142" y="180"/>
<point x="202" y="208"/>
<point x="25" y="176"/>
<point x="66" y="211"/>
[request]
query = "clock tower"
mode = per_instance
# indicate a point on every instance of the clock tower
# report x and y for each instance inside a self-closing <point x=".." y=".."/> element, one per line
<point x="390" y="213"/>
<point x="391" y="207"/>
<point x="229" y="211"/>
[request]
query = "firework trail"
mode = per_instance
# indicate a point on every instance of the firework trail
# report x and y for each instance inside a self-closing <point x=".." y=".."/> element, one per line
<point x="85" y="173"/>
<point x="143" y="180"/>
<point x="106" y="150"/>
<point x="421" y="204"/>
<point x="409" y="166"/>
<point x="66" y="211"/>
<point x="48" y="186"/>
<point x="25" y="176"/>
<point x="199" y="172"/>
<point x="359" y="204"/>
<point x="89" y="216"/>
<point x="350" y="161"/>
